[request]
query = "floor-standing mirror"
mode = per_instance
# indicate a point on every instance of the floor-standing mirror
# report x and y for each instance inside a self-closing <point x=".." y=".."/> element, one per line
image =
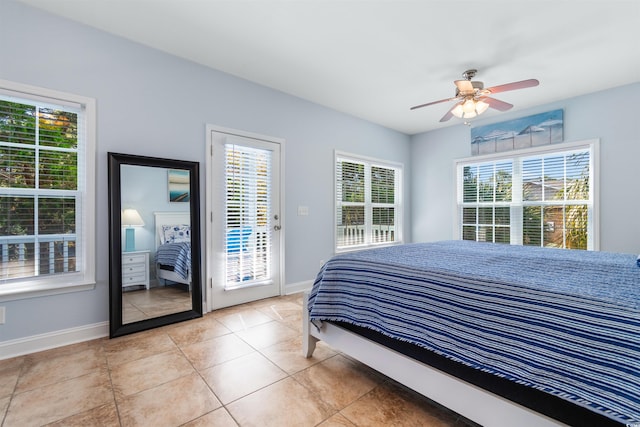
<point x="154" y="238"/>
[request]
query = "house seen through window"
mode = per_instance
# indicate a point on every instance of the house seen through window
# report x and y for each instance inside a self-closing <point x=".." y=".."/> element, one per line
<point x="536" y="198"/>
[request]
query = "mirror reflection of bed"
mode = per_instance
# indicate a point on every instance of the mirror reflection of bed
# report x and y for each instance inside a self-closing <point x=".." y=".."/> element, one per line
<point x="169" y="288"/>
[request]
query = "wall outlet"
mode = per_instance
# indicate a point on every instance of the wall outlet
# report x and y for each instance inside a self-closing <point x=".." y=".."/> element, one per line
<point x="1" y="315"/>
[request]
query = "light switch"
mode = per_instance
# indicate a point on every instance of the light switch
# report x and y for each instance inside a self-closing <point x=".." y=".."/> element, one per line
<point x="303" y="210"/>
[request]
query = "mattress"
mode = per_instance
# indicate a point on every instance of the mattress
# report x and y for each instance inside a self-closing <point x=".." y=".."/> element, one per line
<point x="562" y="322"/>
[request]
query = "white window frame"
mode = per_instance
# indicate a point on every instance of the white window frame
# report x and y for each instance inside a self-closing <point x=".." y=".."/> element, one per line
<point x="593" y="145"/>
<point x="86" y="230"/>
<point x="368" y="205"/>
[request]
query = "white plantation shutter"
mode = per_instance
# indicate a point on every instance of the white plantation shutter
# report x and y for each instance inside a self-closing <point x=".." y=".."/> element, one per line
<point x="383" y="203"/>
<point x="350" y="203"/>
<point x="486" y="195"/>
<point x="556" y="200"/>
<point x="368" y="207"/>
<point x="46" y="191"/>
<point x="248" y="216"/>
<point x="540" y="197"/>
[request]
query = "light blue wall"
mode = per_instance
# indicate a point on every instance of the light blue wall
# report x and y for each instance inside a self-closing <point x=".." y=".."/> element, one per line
<point x="609" y="115"/>
<point x="154" y="104"/>
<point x="151" y="103"/>
<point x="149" y="194"/>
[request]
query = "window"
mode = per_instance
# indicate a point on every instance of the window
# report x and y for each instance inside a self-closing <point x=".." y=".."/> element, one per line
<point x="368" y="202"/>
<point x="46" y="191"/>
<point x="538" y="197"/>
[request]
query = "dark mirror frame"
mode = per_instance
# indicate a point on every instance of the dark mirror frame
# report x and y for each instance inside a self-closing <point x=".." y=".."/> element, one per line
<point x="116" y="327"/>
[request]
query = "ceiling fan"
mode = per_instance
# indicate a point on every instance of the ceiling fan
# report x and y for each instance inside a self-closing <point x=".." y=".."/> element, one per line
<point x="473" y="99"/>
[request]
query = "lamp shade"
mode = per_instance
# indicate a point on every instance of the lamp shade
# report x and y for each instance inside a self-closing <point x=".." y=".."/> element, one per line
<point x="469" y="106"/>
<point x="457" y="110"/>
<point x="131" y="218"/>
<point x="481" y="106"/>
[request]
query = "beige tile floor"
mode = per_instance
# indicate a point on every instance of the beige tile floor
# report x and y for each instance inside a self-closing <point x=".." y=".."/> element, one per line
<point x="238" y="366"/>
<point x="140" y="304"/>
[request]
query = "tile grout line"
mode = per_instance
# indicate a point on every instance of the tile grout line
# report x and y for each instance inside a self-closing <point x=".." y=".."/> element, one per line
<point x="113" y="389"/>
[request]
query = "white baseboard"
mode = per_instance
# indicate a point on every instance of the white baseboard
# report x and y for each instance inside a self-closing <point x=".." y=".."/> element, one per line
<point x="35" y="343"/>
<point x="294" y="288"/>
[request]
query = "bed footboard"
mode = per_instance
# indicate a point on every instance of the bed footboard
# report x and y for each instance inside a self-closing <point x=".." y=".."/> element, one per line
<point x="468" y="400"/>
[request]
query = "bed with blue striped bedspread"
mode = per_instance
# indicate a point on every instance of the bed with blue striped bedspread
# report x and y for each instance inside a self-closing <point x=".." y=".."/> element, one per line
<point x="176" y="255"/>
<point x="565" y="322"/>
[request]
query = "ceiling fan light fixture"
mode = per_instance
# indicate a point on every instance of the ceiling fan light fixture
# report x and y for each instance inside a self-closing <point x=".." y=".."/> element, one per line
<point x="481" y="107"/>
<point x="469" y="106"/>
<point x="470" y="96"/>
<point x="457" y="110"/>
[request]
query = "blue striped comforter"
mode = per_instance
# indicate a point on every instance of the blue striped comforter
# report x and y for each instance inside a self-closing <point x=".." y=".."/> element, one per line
<point x="176" y="255"/>
<point x="561" y="321"/>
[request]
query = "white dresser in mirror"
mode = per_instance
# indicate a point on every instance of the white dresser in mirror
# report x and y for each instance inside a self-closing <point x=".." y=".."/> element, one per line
<point x="135" y="269"/>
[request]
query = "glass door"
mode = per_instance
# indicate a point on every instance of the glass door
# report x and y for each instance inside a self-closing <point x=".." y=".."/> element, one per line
<point x="245" y="219"/>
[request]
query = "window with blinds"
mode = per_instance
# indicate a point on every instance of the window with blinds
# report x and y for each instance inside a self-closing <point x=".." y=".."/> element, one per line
<point x="368" y="208"/>
<point x="487" y="196"/>
<point x="43" y="192"/>
<point x="248" y="216"/>
<point x="537" y="198"/>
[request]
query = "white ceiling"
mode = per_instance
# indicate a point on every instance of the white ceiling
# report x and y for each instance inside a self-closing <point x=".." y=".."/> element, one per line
<point x="375" y="59"/>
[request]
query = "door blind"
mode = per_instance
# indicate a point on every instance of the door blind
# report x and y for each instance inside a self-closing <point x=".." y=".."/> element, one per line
<point x="248" y="216"/>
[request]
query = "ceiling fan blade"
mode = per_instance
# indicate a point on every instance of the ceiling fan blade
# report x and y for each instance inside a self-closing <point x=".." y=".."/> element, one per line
<point x="513" y="86"/>
<point x="449" y="114"/>
<point x="464" y="85"/>
<point x="497" y="104"/>
<point x="431" y="103"/>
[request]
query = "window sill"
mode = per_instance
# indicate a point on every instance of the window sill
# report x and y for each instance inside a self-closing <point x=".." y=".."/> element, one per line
<point x="13" y="292"/>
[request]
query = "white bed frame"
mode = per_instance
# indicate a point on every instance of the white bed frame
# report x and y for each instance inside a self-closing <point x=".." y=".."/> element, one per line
<point x="170" y="218"/>
<point x="473" y="402"/>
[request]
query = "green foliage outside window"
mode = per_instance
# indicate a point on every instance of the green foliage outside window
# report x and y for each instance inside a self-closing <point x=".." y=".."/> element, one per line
<point x="38" y="180"/>
<point x="544" y="222"/>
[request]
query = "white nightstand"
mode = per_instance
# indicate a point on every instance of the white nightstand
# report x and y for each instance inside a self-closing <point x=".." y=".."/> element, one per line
<point x="135" y="269"/>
